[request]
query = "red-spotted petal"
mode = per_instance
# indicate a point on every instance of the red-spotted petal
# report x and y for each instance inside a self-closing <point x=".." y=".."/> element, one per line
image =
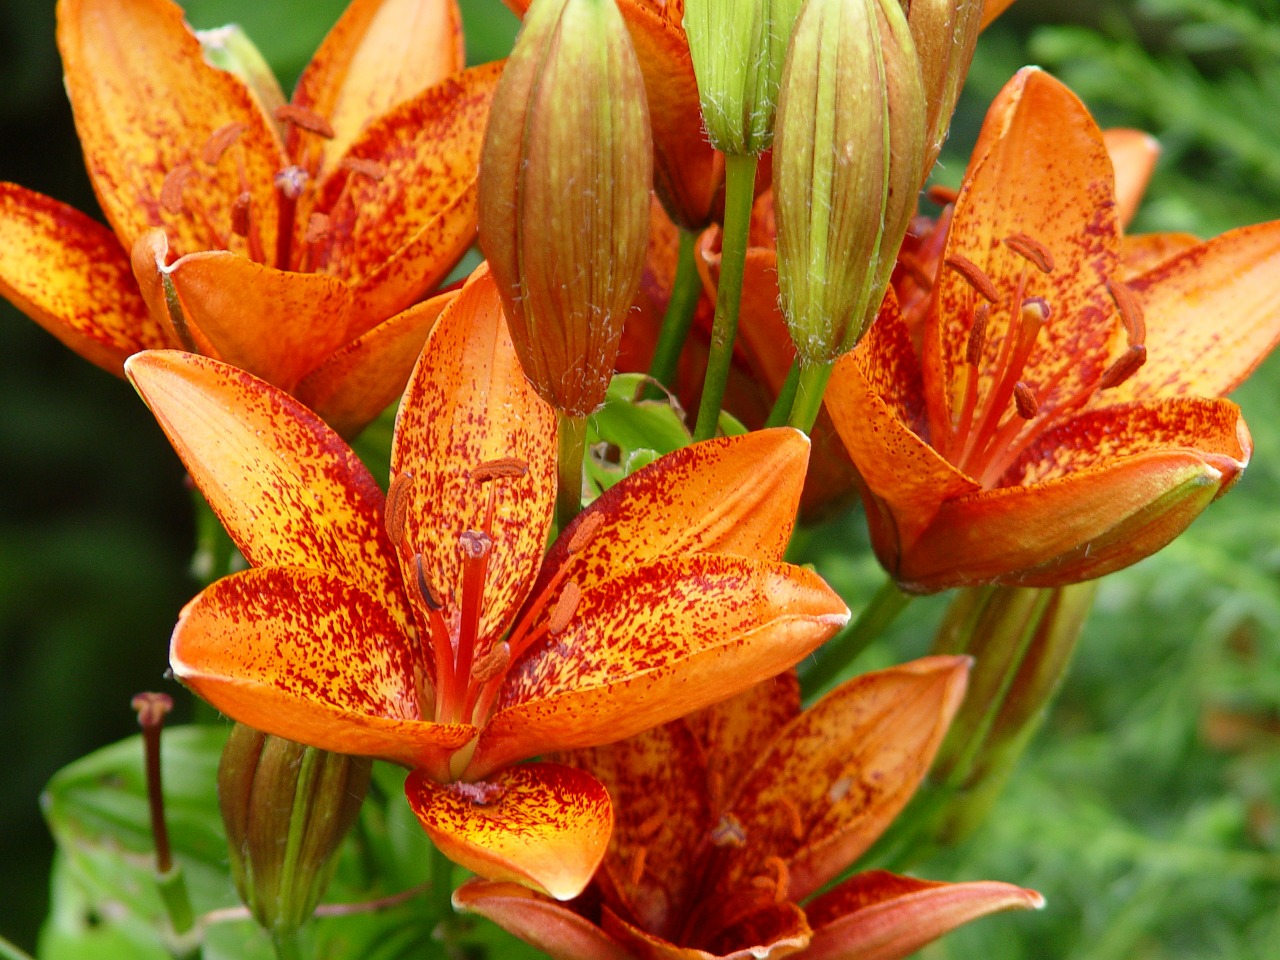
<point x="1145" y="251"/>
<point x="542" y="825"/>
<point x="310" y="656"/>
<point x="880" y="916"/>
<point x="69" y="274"/>
<point x="539" y="921"/>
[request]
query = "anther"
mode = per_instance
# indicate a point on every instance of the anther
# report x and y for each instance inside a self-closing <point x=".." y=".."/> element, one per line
<point x="728" y="832"/>
<point x="1032" y="250"/>
<point x="1024" y="401"/>
<point x="506" y="467"/>
<point x="793" y="816"/>
<point x="317" y="228"/>
<point x="566" y="606"/>
<point x="291" y="181"/>
<point x="974" y="276"/>
<point x="396" y="507"/>
<point x="424" y="588"/>
<point x="637" y="866"/>
<point x="1130" y="311"/>
<point x="650" y="825"/>
<point x="782" y="878"/>
<point x="1124" y="367"/>
<point x="493" y="663"/>
<point x="220" y="141"/>
<point x="941" y="195"/>
<point x="585" y="531"/>
<point x="366" y="168"/>
<point x="475" y="544"/>
<point x="306" y="119"/>
<point x="241" y="208"/>
<point x="174" y="183"/>
<point x="916" y="269"/>
<point x="977" y="335"/>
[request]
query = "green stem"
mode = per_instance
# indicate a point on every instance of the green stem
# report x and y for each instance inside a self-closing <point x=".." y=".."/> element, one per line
<point x="685" y="290"/>
<point x="441" y="897"/>
<point x="786" y="398"/>
<point x="841" y="649"/>
<point x="573" y="446"/>
<point x="11" y="951"/>
<point x="286" y="945"/>
<point x="739" y="192"/>
<point x="809" y="390"/>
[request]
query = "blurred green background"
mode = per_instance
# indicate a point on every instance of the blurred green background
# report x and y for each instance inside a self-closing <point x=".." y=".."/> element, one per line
<point x="1147" y="811"/>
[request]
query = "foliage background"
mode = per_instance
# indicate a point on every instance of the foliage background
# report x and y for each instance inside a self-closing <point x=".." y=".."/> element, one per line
<point x="1147" y="809"/>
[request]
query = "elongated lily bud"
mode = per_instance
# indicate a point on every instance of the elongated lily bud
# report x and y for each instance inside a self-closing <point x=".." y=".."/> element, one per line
<point x="738" y="48"/>
<point x="846" y="165"/>
<point x="564" y="190"/>
<point x="286" y="808"/>
<point x="1021" y="639"/>
<point x="945" y="33"/>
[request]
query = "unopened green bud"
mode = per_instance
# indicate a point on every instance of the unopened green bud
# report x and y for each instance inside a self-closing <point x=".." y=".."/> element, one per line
<point x="286" y="808"/>
<point x="738" y="48"/>
<point x="845" y="168"/>
<point x="565" y="178"/>
<point x="229" y="48"/>
<point x="945" y="34"/>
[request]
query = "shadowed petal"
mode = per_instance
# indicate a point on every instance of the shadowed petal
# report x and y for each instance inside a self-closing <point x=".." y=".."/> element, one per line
<point x="146" y="102"/>
<point x="308" y="656"/>
<point x="359" y="381"/>
<point x="468" y="403"/>
<point x="880" y="916"/>
<point x="288" y="490"/>
<point x="69" y="274"/>
<point x="1133" y="154"/>
<point x="543" y="825"/>
<point x="661" y="641"/>
<point x="538" y="920"/>
<point x="379" y="54"/>
<point x="767" y="931"/>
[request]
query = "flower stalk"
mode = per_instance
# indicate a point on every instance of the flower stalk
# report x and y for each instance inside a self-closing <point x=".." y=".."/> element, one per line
<point x="686" y="288"/>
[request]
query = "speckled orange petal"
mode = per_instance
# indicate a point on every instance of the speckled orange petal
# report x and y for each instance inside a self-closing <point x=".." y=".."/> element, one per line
<point x="765" y="929"/>
<point x="275" y="324"/>
<point x="1146" y="251"/>
<point x="1075" y="528"/>
<point x="1212" y="314"/>
<point x="360" y="380"/>
<point x="379" y="54"/>
<point x="307" y="655"/>
<point x="146" y="103"/>
<point x="728" y="495"/>
<point x="880" y="916"/>
<point x="992" y="9"/>
<point x="1133" y="154"/>
<point x="658" y="642"/>
<point x="288" y="490"/>
<point x="69" y="274"/>
<point x="538" y="920"/>
<point x="468" y="403"/>
<point x="836" y="777"/>
<point x="410" y="196"/>
<point x="1046" y="175"/>
<point x="543" y="825"/>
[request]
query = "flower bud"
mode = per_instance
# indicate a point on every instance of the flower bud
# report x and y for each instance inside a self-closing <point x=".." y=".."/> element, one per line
<point x="945" y="33"/>
<point x="565" y="177"/>
<point x="229" y="48"/>
<point x="286" y="808"/>
<point x="1021" y="639"/>
<point x="738" y="47"/>
<point x="845" y="168"/>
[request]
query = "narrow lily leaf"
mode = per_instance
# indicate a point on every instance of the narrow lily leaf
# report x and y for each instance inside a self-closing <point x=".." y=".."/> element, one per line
<point x="468" y="404"/>
<point x="146" y="105"/>
<point x="662" y="640"/>
<point x="359" y="381"/>
<point x="379" y="54"/>
<point x="308" y="656"/>
<point x="69" y="274"/>
<point x="1133" y="154"/>
<point x="259" y="456"/>
<point x="543" y="825"/>
<point x="880" y="916"/>
<point x="538" y="920"/>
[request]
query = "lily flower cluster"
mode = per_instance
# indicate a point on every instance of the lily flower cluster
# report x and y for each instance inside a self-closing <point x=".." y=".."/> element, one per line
<point x="608" y="731"/>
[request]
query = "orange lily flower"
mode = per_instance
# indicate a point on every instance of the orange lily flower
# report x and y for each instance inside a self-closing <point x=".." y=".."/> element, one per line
<point x="730" y="819"/>
<point x="280" y="238"/>
<point x="1026" y="441"/>
<point x="425" y="627"/>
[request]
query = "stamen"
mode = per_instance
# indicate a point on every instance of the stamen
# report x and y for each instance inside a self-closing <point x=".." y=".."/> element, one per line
<point x="974" y="276"/>
<point x="649" y="827"/>
<point x="564" y="609"/>
<point x="368" y="168"/>
<point x="493" y="663"/>
<point x="728" y="832"/>
<point x="504" y="467"/>
<point x="782" y="878"/>
<point x="637" y="866"/>
<point x="424" y="588"/>
<point x="793" y="815"/>
<point x="585" y="532"/>
<point x="291" y="181"/>
<point x="941" y="195"/>
<point x="396" y="507"/>
<point x="175" y="182"/>
<point x="305" y="119"/>
<point x="475" y="544"/>
<point x="1024" y="401"/>
<point x="916" y="269"/>
<point x="1130" y="310"/>
<point x="241" y="210"/>
<point x="1125" y="366"/>
<point x="977" y="335"/>
<point x="220" y="141"/>
<point x="1032" y="250"/>
<point x="317" y="228"/>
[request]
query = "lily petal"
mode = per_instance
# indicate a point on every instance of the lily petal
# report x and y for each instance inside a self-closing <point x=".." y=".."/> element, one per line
<point x="379" y="54"/>
<point x="309" y="656"/>
<point x="1133" y="154"/>
<point x="359" y="381"/>
<point x="468" y="403"/>
<point x="69" y="274"/>
<point x="286" y="487"/>
<point x="880" y="916"/>
<point x="1145" y="251"/>
<point x="146" y="103"/>
<point x="662" y="640"/>
<point x="538" y="920"/>
<point x="770" y="930"/>
<point x="543" y="825"/>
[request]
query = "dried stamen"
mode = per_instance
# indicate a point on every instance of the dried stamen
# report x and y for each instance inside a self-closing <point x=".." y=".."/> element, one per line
<point x="974" y="276"/>
<point x="366" y="168"/>
<point x="506" y="467"/>
<point x="1125" y="366"/>
<point x="493" y="663"/>
<point x="396" y="508"/>
<point x="1032" y="250"/>
<point x="565" y="607"/>
<point x="475" y="544"/>
<point x="291" y="181"/>
<point x="317" y="228"/>
<point x="241" y="210"/>
<point x="588" y="526"/>
<point x="424" y="588"/>
<point x="1130" y="310"/>
<point x="220" y="141"/>
<point x="1024" y="401"/>
<point x="977" y="335"/>
<point x="175" y="182"/>
<point x="728" y="832"/>
<point x="305" y="119"/>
